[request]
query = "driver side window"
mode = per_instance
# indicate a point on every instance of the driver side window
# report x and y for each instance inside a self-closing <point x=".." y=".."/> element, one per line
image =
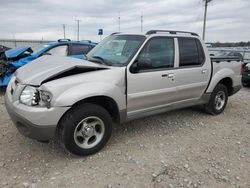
<point x="59" y="51"/>
<point x="158" y="53"/>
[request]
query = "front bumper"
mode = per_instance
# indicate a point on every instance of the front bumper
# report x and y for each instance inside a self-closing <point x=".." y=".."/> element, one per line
<point x="34" y="122"/>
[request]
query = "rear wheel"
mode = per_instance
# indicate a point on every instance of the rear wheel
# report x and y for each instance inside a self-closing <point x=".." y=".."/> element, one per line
<point x="218" y="100"/>
<point x="85" y="129"/>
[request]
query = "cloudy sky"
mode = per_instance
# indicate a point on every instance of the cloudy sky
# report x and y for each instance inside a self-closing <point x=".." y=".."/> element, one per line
<point x="228" y="20"/>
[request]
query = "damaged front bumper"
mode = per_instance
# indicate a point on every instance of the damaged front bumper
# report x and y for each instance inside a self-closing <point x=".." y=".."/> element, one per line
<point x="35" y="122"/>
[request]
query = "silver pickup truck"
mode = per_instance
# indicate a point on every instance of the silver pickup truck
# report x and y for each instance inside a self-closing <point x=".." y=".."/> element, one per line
<point x="124" y="77"/>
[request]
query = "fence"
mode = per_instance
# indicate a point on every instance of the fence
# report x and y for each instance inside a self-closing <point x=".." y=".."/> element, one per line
<point x="12" y="43"/>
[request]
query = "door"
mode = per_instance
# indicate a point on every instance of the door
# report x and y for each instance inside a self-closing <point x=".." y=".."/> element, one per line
<point x="194" y="71"/>
<point x="152" y="85"/>
<point x="61" y="50"/>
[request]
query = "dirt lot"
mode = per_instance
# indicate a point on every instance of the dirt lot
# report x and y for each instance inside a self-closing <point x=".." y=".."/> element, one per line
<point x="184" y="148"/>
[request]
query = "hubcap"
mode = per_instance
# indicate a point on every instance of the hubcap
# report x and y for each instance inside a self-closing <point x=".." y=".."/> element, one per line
<point x="220" y="100"/>
<point x="89" y="132"/>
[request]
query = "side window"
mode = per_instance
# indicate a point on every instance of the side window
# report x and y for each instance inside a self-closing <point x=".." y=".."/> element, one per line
<point x="158" y="53"/>
<point x="191" y="52"/>
<point x="77" y="49"/>
<point x="59" y="50"/>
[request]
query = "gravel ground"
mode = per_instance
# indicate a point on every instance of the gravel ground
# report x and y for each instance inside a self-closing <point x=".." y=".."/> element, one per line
<point x="184" y="148"/>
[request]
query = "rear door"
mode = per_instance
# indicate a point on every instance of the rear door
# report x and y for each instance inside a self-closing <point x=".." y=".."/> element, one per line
<point x="60" y="50"/>
<point x="194" y="70"/>
<point x="152" y="87"/>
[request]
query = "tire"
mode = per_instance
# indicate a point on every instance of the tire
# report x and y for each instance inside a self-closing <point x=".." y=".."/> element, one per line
<point x="85" y="129"/>
<point x="245" y="84"/>
<point x="216" y="106"/>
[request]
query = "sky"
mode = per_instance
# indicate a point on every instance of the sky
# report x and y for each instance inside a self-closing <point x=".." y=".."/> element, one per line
<point x="227" y="20"/>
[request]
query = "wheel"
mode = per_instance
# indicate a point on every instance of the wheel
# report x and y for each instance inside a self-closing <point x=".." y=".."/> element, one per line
<point x="85" y="129"/>
<point x="218" y="100"/>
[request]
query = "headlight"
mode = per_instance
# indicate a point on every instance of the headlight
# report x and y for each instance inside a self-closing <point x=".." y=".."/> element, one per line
<point x="32" y="96"/>
<point x="45" y="98"/>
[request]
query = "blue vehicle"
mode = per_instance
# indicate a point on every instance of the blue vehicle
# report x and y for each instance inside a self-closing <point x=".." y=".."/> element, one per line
<point x="20" y="56"/>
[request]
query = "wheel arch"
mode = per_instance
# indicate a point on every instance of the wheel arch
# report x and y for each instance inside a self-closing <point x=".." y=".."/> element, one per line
<point x="106" y="102"/>
<point x="225" y="77"/>
<point x="228" y="82"/>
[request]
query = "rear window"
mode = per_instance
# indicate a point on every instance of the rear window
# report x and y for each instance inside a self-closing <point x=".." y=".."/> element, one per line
<point x="77" y="49"/>
<point x="191" y="52"/>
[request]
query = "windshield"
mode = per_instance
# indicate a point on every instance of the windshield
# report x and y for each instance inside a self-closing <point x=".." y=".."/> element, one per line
<point x="38" y="48"/>
<point x="116" y="50"/>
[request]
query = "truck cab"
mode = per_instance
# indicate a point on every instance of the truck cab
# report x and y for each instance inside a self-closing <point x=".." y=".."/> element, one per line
<point x="126" y="76"/>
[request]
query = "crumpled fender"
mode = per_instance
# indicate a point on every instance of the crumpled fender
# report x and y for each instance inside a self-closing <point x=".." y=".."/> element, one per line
<point x="15" y="52"/>
<point x="22" y="62"/>
<point x="5" y="80"/>
<point x="86" y="90"/>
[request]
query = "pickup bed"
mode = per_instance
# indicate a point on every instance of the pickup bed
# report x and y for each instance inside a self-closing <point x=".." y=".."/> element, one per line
<point x="123" y="78"/>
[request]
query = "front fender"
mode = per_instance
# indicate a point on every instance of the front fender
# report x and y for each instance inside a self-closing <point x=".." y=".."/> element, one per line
<point x="86" y="90"/>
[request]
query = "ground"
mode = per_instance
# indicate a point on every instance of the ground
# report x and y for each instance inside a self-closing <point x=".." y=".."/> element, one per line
<point x="184" y="148"/>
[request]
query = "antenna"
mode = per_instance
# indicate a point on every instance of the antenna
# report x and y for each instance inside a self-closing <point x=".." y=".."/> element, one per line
<point x="205" y="18"/>
<point x="64" y="36"/>
<point x="141" y="21"/>
<point x="78" y="22"/>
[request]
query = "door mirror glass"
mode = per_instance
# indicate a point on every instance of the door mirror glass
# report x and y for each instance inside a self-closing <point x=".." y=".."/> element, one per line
<point x="140" y="64"/>
<point x="144" y="63"/>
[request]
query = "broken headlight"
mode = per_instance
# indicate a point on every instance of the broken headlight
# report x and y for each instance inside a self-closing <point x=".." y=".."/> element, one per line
<point x="31" y="96"/>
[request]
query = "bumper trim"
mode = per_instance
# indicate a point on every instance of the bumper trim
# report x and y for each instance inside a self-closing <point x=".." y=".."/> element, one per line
<point x="29" y="129"/>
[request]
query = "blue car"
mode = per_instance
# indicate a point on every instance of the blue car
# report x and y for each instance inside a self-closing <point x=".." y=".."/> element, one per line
<point x="20" y="56"/>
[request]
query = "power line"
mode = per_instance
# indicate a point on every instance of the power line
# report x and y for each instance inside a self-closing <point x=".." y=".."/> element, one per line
<point x="205" y="18"/>
<point x="78" y="29"/>
<point x="64" y="36"/>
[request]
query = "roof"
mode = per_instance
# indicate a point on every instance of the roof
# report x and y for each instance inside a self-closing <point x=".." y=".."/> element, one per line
<point x="73" y="42"/>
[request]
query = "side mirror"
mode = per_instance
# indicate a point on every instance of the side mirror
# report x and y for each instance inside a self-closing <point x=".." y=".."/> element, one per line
<point x="141" y="64"/>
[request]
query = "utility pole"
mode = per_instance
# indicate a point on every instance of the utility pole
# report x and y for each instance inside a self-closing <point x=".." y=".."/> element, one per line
<point x="119" y="22"/>
<point x="205" y="18"/>
<point x="64" y="31"/>
<point x="77" y="21"/>
<point x="141" y="21"/>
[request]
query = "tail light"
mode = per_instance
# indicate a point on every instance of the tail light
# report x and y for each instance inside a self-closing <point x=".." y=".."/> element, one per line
<point x="241" y="68"/>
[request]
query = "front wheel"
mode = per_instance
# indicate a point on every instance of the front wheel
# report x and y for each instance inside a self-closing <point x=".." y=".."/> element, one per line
<point x="218" y="100"/>
<point x="85" y="129"/>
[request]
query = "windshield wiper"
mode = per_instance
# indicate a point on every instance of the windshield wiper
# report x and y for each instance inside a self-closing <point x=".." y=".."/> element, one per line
<point x="100" y="60"/>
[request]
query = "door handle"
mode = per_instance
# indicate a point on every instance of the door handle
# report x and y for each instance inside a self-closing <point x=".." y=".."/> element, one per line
<point x="170" y="75"/>
<point x="203" y="71"/>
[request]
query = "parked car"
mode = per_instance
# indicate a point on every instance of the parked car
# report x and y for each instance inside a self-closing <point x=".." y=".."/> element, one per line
<point x="246" y="75"/>
<point x="20" y="56"/>
<point x="124" y="77"/>
<point x="231" y="54"/>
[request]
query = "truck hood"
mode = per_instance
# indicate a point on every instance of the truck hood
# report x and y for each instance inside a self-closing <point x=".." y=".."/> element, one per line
<point x="15" y="52"/>
<point x="48" y="68"/>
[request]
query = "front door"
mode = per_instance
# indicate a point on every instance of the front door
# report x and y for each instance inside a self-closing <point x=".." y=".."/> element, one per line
<point x="153" y="84"/>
